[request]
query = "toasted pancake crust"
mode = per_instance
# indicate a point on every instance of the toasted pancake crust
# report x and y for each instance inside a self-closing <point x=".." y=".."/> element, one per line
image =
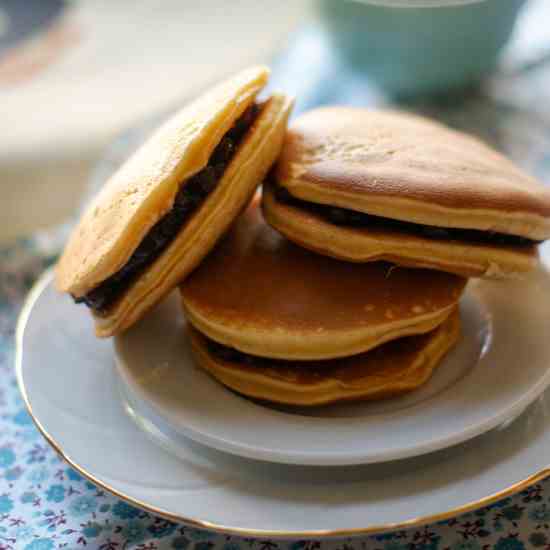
<point x="357" y="244"/>
<point x="239" y="182"/>
<point x="263" y="295"/>
<point x="406" y="167"/>
<point x="392" y="369"/>
<point x="143" y="189"/>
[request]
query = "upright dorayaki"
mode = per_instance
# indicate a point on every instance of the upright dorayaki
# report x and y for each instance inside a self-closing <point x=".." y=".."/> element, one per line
<point x="167" y="206"/>
<point x="365" y="185"/>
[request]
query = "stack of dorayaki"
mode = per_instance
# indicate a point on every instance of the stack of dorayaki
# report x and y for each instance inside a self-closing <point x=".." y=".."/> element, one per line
<point x="343" y="281"/>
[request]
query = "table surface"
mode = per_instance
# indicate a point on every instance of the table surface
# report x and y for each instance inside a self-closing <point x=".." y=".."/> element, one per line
<point x="44" y="505"/>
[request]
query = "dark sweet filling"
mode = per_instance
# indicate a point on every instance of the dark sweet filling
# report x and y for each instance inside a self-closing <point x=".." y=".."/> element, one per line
<point x="188" y="199"/>
<point x="225" y="353"/>
<point x="232" y="355"/>
<point x="351" y="218"/>
<point x="308" y="369"/>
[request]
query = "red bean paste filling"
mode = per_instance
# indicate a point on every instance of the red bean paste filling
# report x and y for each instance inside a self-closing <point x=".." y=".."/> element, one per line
<point x="351" y="218"/>
<point x="232" y="355"/>
<point x="187" y="201"/>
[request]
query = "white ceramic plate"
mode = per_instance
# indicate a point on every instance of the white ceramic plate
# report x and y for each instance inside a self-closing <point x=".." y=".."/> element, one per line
<point x="69" y="384"/>
<point x="477" y="387"/>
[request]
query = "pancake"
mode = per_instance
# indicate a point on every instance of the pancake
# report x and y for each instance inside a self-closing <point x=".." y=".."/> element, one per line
<point x="261" y="294"/>
<point x="358" y="184"/>
<point x="167" y="206"/>
<point x="355" y="243"/>
<point x="395" y="368"/>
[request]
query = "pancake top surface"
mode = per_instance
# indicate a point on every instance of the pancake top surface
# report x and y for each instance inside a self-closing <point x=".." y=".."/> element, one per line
<point x="257" y="279"/>
<point x="400" y="161"/>
<point x="143" y="189"/>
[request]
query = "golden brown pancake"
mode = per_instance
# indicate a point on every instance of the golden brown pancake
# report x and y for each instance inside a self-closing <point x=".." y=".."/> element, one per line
<point x="261" y="294"/>
<point x="166" y="207"/>
<point x="392" y="369"/>
<point x="378" y="179"/>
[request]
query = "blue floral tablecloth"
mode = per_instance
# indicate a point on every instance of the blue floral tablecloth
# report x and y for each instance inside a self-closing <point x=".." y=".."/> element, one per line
<point x="45" y="505"/>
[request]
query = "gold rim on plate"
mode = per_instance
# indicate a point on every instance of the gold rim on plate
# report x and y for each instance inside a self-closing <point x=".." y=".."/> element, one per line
<point x="31" y="299"/>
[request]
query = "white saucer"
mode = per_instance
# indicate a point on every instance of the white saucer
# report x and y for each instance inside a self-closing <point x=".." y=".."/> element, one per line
<point x="477" y="387"/>
<point x="68" y="382"/>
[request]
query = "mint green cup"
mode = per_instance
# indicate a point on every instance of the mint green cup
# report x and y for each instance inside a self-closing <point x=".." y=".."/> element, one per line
<point x="414" y="51"/>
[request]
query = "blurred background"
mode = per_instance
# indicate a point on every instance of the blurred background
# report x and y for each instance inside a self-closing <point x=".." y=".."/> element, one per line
<point x="83" y="82"/>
